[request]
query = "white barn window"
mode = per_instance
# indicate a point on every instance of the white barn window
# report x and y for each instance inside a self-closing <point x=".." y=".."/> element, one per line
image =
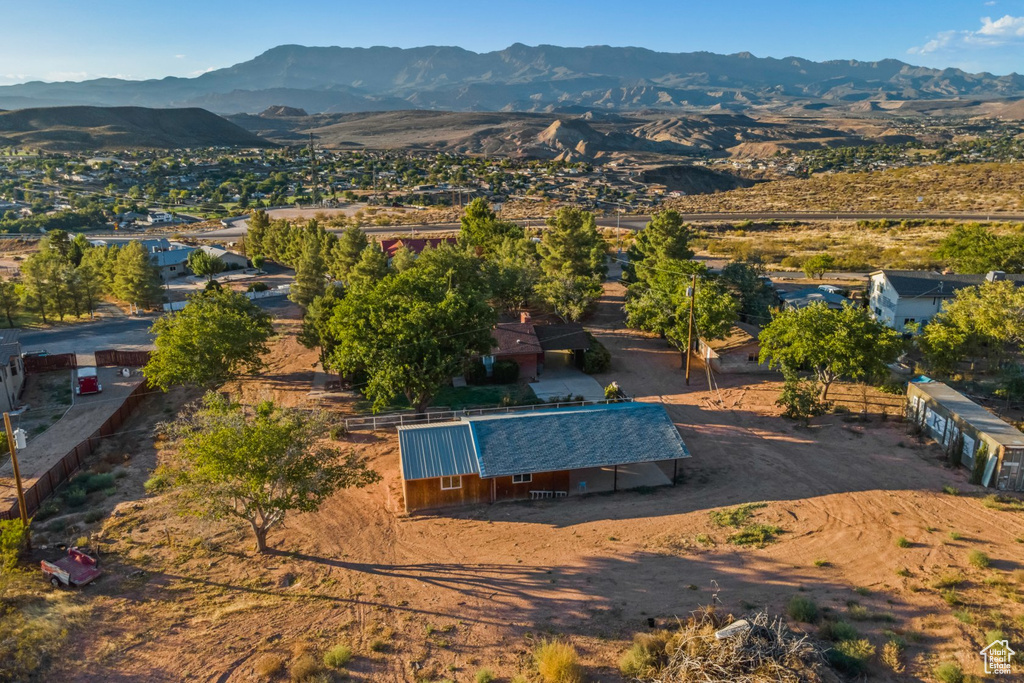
<point x="522" y="478"/>
<point x="451" y="483"/>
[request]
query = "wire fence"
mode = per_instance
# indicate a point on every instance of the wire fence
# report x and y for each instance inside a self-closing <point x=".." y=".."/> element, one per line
<point x="409" y="419"/>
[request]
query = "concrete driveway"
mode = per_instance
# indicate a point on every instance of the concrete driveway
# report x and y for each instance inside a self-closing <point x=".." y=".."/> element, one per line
<point x="561" y="379"/>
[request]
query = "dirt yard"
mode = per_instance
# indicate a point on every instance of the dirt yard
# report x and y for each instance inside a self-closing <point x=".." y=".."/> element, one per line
<point x="430" y="598"/>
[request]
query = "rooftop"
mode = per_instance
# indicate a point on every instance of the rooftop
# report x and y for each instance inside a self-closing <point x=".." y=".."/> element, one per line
<point x="933" y="284"/>
<point x="999" y="431"/>
<point x="741" y="335"/>
<point x="803" y="298"/>
<point x="514" y="339"/>
<point x="541" y="441"/>
<point x="10" y="344"/>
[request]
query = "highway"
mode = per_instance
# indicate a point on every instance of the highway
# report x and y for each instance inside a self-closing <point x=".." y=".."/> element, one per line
<point x="239" y="226"/>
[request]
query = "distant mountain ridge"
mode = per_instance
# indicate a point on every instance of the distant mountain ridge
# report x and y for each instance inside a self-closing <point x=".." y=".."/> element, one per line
<point x="93" y="128"/>
<point x="522" y="78"/>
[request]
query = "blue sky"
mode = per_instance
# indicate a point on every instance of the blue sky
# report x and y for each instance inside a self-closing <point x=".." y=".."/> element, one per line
<point x="79" y="39"/>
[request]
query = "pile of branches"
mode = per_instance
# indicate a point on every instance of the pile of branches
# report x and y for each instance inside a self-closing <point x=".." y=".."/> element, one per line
<point x="767" y="652"/>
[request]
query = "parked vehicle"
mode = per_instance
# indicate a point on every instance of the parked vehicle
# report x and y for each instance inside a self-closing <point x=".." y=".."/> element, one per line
<point x="88" y="382"/>
<point x="75" y="569"/>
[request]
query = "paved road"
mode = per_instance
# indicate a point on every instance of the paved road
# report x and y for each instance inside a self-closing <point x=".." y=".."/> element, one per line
<point x="239" y="227"/>
<point x="128" y="333"/>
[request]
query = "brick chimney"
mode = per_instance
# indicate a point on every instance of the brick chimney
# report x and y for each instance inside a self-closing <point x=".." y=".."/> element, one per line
<point x="524" y="317"/>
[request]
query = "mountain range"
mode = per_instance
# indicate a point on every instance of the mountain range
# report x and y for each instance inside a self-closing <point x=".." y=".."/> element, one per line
<point x="523" y="78"/>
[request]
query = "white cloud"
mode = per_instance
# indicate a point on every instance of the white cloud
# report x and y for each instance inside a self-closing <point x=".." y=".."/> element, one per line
<point x="179" y="56"/>
<point x="200" y="72"/>
<point x="1006" y="30"/>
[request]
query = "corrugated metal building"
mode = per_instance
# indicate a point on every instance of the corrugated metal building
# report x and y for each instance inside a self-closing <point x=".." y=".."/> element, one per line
<point x="959" y="424"/>
<point x="539" y="454"/>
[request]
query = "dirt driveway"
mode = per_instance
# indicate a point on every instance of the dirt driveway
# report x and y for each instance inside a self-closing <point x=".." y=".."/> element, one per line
<point x="433" y="597"/>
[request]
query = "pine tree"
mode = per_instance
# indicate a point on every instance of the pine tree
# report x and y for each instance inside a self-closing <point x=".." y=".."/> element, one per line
<point x="347" y="252"/>
<point x="136" y="280"/>
<point x="371" y="268"/>
<point x="310" y="271"/>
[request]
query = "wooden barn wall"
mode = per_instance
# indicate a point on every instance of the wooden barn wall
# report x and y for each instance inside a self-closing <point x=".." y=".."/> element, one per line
<point x="544" y="481"/>
<point x="426" y="494"/>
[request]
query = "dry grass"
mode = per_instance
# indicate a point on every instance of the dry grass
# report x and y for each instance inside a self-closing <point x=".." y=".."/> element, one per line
<point x="558" y="662"/>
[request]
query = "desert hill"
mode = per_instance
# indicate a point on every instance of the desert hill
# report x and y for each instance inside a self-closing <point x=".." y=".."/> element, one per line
<point x="88" y="128"/>
<point x="541" y="78"/>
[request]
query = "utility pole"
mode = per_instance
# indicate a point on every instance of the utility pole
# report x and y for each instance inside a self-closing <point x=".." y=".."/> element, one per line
<point x="12" y="446"/>
<point x="692" y="293"/>
<point x="312" y="168"/>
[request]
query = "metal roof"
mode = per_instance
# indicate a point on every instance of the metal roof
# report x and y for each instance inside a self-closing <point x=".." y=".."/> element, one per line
<point x="567" y="337"/>
<point x="444" y="450"/>
<point x="970" y="412"/>
<point x="577" y="438"/>
<point x="926" y="283"/>
<point x="9" y="344"/>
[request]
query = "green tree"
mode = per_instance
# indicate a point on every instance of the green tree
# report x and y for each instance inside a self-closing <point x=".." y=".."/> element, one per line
<point x="347" y="252"/>
<point x="482" y="229"/>
<point x="665" y="238"/>
<point x="410" y="333"/>
<point x="202" y="263"/>
<point x="832" y="343"/>
<point x="10" y="300"/>
<point x="986" y="321"/>
<point x="258" y="464"/>
<point x="512" y="272"/>
<point x="13" y="535"/>
<point x="404" y="259"/>
<point x="571" y="245"/>
<point x="816" y="266"/>
<point x="371" y="267"/>
<point x="136" y="279"/>
<point x="975" y="249"/>
<point x="315" y="332"/>
<point x="799" y="399"/>
<point x="569" y="295"/>
<point x="311" y="269"/>
<point x="216" y="337"/>
<point x="755" y="296"/>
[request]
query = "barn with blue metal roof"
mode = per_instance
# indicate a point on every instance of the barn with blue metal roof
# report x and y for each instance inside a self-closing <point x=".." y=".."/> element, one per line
<point x="551" y="453"/>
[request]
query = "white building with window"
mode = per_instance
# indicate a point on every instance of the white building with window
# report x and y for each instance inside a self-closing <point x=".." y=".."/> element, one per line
<point x="902" y="299"/>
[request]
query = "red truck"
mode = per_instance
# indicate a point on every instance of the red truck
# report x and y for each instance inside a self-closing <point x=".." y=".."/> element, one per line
<point x="88" y="382"/>
<point x="76" y="569"/>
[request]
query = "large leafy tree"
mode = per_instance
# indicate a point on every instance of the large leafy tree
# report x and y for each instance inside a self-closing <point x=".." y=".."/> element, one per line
<point x="755" y="296"/>
<point x="569" y="295"/>
<point x="411" y="332"/>
<point x="976" y="249"/>
<point x="832" y="343"/>
<point x="10" y="301"/>
<point x="984" y="321"/>
<point x="258" y="464"/>
<point x="216" y="337"/>
<point x="512" y="272"/>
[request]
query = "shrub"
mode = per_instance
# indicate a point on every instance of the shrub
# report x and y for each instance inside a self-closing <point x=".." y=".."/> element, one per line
<point x="75" y="497"/>
<point x="93" y="516"/>
<point x="597" y="358"/>
<point x="338" y="656"/>
<point x="803" y="609"/>
<point x="735" y="517"/>
<point x="756" y="534"/>
<point x="979" y="559"/>
<point x="257" y="287"/>
<point x="646" y="656"/>
<point x="951" y="597"/>
<point x="951" y="490"/>
<point x="557" y="662"/>
<point x="949" y="672"/>
<point x="379" y="645"/>
<point x="269" y="666"/>
<point x="851" y="656"/>
<point x="475" y="372"/>
<point x="613" y="391"/>
<point x="46" y="510"/>
<point x="157" y="483"/>
<point x="485" y="676"/>
<point x="339" y="432"/>
<point x="892" y="656"/>
<point x="304" y="668"/>
<point x="949" y="580"/>
<point x="799" y="399"/>
<point x="98" y="482"/>
<point x="993" y="636"/>
<point x="838" y="630"/>
<point x="505" y="372"/>
<point x="902" y="542"/>
<point x="980" y="460"/>
<point x="12" y="541"/>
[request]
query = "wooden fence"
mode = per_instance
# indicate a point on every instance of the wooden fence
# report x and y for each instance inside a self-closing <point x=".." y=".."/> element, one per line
<point x="57" y="361"/>
<point x="130" y="359"/>
<point x="47" y="483"/>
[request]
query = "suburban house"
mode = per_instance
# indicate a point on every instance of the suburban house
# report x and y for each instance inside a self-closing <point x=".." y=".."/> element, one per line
<point x="172" y="263"/>
<point x="546" y="453"/>
<point x="12" y="369"/>
<point x="157" y="217"/>
<point x="802" y="298"/>
<point x="528" y="345"/>
<point x="959" y="424"/>
<point x="736" y="353"/>
<point x="414" y="244"/>
<point x="232" y="260"/>
<point x="899" y="298"/>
